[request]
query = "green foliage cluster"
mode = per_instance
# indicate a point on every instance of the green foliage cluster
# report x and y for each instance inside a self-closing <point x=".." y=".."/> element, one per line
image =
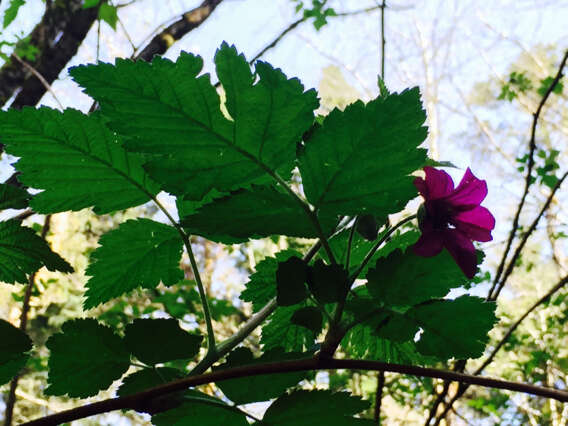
<point x="234" y="168"/>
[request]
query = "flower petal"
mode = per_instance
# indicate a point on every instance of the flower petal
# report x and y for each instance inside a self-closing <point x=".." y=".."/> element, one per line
<point x="470" y="192"/>
<point x="476" y="223"/>
<point x="462" y="250"/>
<point x="437" y="184"/>
<point x="429" y="244"/>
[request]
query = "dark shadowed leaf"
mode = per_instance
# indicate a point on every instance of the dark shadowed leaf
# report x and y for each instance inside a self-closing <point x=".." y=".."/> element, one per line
<point x="23" y="252"/>
<point x="309" y="317"/>
<point x="12" y="197"/>
<point x="147" y="378"/>
<point x="86" y="357"/>
<point x="280" y="332"/>
<point x="154" y="341"/>
<point x="14" y="344"/>
<point x="291" y="278"/>
<point x="327" y="283"/>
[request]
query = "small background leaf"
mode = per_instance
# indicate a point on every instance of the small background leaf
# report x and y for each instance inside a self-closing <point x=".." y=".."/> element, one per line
<point x="12" y="197"/>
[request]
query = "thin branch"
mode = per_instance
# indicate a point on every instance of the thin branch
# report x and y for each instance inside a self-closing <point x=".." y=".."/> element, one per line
<point x="139" y="400"/>
<point x="350" y="243"/>
<point x="383" y="40"/>
<point x="379" y="397"/>
<point x="463" y="388"/>
<point x="439" y="399"/>
<point x="11" y="401"/>
<point x="528" y="178"/>
<point x="40" y="77"/>
<point x="526" y="235"/>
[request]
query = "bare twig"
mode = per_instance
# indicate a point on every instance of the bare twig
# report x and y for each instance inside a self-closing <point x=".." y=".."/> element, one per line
<point x="40" y="77"/>
<point x="528" y="179"/>
<point x="379" y="396"/>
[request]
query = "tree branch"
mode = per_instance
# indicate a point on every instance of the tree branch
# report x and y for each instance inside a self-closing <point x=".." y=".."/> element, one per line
<point x="528" y="178"/>
<point x="139" y="400"/>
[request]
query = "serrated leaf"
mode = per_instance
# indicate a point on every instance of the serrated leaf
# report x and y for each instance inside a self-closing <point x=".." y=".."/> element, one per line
<point x="147" y="378"/>
<point x="275" y="213"/>
<point x="169" y="112"/>
<point x="14" y="344"/>
<point x="154" y="341"/>
<point x="280" y="332"/>
<point x="360" y="159"/>
<point x="328" y="283"/>
<point x="405" y="279"/>
<point x="291" y="276"/>
<point x="202" y="411"/>
<point x="443" y="323"/>
<point x="11" y="367"/>
<point x="76" y="160"/>
<point x="258" y="388"/>
<point x="261" y="287"/>
<point x="13" y="341"/>
<point x="23" y="252"/>
<point x="108" y="13"/>
<point x="309" y="317"/>
<point x="12" y="197"/>
<point x="12" y="11"/>
<point x="139" y="253"/>
<point x="85" y="358"/>
<point x="302" y="407"/>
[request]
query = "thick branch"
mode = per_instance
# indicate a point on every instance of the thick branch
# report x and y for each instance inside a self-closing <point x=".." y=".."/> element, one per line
<point x="139" y="400"/>
<point x="187" y="22"/>
<point x="57" y="37"/>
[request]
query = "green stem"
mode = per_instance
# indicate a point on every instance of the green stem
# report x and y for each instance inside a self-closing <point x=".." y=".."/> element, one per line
<point x="378" y="244"/>
<point x="211" y="348"/>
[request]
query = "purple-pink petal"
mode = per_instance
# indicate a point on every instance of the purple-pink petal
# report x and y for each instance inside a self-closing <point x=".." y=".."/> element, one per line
<point x="470" y="191"/>
<point x="476" y="223"/>
<point x="462" y="250"/>
<point x="429" y="244"/>
<point x="437" y="184"/>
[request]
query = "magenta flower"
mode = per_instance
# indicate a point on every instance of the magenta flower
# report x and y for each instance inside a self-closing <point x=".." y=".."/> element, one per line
<point x="453" y="218"/>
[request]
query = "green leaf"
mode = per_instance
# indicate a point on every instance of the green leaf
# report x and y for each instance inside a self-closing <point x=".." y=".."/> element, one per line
<point x="10" y="368"/>
<point x="87" y="4"/>
<point x="12" y="11"/>
<point x="171" y="112"/>
<point x="309" y="317"/>
<point x="261" y="287"/>
<point x="154" y="341"/>
<point x="258" y="388"/>
<point x="147" y="378"/>
<point x="85" y="358"/>
<point x="23" y="252"/>
<point x="454" y="328"/>
<point x="545" y="85"/>
<point x="302" y="407"/>
<point x="291" y="276"/>
<point x="360" y="159"/>
<point x="14" y="344"/>
<point x="280" y="332"/>
<point x="139" y="253"/>
<point x="328" y="283"/>
<point x="405" y="279"/>
<point x="75" y="159"/>
<point x="275" y="213"/>
<point x="12" y="197"/>
<point x="203" y="410"/>
<point x="108" y="14"/>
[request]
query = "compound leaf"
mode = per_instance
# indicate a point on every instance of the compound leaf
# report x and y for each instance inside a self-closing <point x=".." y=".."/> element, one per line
<point x="154" y="341"/>
<point x="171" y="113"/>
<point x="23" y="252"/>
<point x="76" y="159"/>
<point x="360" y="159"/>
<point x="138" y="253"/>
<point x="86" y="357"/>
